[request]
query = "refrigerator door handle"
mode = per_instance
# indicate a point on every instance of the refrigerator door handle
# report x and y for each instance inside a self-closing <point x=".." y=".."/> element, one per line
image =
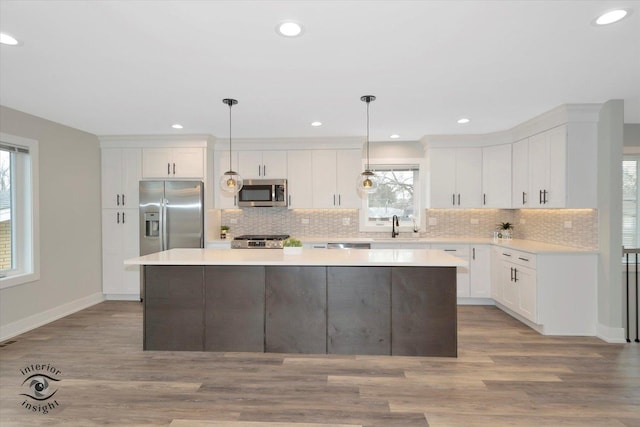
<point x="163" y="220"/>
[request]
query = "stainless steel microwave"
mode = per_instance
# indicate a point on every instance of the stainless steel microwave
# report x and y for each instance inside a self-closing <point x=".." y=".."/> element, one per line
<point x="263" y="192"/>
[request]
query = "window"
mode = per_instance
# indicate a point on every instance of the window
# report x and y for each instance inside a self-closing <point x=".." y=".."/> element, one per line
<point x="398" y="194"/>
<point x="18" y="216"/>
<point x="630" y="199"/>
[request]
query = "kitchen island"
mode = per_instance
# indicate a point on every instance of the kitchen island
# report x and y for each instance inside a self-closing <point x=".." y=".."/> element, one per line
<point x="379" y="301"/>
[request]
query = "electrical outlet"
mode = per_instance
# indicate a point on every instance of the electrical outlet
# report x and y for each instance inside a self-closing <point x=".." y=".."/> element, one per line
<point x="568" y="224"/>
<point x="304" y="221"/>
<point x="433" y="221"/>
<point x="475" y="221"/>
<point x="233" y="220"/>
<point x="346" y="221"/>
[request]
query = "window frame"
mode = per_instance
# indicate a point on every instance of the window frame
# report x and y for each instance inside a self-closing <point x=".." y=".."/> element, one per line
<point x="405" y="226"/>
<point x="26" y="237"/>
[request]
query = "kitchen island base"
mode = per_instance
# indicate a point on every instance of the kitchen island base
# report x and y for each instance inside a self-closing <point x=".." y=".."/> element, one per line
<point x="407" y="311"/>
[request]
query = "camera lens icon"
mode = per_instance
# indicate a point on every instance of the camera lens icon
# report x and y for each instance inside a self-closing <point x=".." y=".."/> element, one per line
<point x="39" y="387"/>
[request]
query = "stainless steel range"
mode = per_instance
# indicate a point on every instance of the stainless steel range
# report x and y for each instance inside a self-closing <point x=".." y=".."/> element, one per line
<point x="259" y="241"/>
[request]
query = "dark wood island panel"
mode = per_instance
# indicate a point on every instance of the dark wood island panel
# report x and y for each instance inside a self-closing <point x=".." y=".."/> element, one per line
<point x="173" y="308"/>
<point x="234" y="308"/>
<point x="296" y="310"/>
<point x="359" y="304"/>
<point x="302" y="309"/>
<point x="421" y="307"/>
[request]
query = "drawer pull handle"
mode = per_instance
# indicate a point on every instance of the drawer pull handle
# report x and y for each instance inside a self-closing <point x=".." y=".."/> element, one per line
<point x="506" y="254"/>
<point x="523" y="259"/>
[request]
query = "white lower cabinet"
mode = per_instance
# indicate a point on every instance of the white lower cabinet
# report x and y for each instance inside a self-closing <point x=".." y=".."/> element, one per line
<point x="462" y="275"/>
<point x="120" y="241"/>
<point x="480" y="271"/>
<point x="554" y="293"/>
<point x="516" y="287"/>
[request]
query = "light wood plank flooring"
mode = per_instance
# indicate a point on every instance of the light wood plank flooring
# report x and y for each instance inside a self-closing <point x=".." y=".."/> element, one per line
<point x="506" y="375"/>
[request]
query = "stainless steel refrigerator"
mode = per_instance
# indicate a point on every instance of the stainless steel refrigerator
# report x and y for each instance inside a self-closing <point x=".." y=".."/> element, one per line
<point x="171" y="215"/>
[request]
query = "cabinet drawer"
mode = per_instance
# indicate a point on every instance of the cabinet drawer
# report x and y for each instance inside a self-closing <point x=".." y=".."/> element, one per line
<point x="461" y="251"/>
<point x="520" y="258"/>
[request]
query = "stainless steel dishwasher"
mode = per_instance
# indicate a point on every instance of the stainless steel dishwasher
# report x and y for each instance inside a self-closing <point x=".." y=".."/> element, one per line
<point x="348" y="245"/>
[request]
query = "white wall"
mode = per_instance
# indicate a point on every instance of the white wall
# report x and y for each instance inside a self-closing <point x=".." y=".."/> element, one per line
<point x="70" y="231"/>
<point x="610" y="142"/>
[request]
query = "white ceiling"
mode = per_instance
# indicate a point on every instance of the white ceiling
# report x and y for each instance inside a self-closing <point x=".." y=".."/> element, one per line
<point x="137" y="67"/>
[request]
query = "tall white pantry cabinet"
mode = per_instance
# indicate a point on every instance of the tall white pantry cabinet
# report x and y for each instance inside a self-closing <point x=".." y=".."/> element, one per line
<point x="121" y="172"/>
<point x="125" y="161"/>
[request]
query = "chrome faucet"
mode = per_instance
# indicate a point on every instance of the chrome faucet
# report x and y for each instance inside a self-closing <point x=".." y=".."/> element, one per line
<point x="395" y="223"/>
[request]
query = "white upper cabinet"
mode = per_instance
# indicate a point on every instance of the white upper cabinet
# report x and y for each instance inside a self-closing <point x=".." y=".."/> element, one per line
<point x="548" y="168"/>
<point x="496" y="176"/>
<point x="121" y="172"/>
<point x="262" y="164"/>
<point x="520" y="194"/>
<point x="349" y="166"/>
<point x="456" y="177"/>
<point x="166" y="163"/>
<point x="299" y="179"/>
<point x="334" y="174"/>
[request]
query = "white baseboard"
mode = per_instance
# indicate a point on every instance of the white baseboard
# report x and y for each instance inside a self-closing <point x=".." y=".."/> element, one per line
<point x="28" y="323"/>
<point x="475" y="301"/>
<point x="122" y="297"/>
<point x="609" y="334"/>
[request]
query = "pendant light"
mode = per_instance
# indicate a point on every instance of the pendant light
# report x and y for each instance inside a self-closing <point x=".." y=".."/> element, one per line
<point x="230" y="181"/>
<point x="367" y="182"/>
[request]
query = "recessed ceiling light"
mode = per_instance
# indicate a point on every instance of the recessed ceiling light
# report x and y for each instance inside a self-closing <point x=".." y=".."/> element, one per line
<point x="611" y="16"/>
<point x="316" y="124"/>
<point x="177" y="126"/>
<point x="394" y="136"/>
<point x="463" y="121"/>
<point x="8" y="40"/>
<point x="289" y="29"/>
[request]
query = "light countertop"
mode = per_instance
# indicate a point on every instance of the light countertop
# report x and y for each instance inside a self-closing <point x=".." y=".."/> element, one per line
<point x="308" y="257"/>
<point x="530" y="246"/>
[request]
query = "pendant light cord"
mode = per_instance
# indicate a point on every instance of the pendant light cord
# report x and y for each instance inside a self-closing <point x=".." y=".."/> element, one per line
<point x="368" y="134"/>
<point x="230" y="104"/>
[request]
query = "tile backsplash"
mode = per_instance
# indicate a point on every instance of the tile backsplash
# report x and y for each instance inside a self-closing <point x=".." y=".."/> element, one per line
<point x="570" y="227"/>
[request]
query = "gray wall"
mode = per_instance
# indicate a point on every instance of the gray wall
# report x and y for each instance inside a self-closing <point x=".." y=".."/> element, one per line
<point x="70" y="229"/>
<point x="610" y="143"/>
<point x="632" y="134"/>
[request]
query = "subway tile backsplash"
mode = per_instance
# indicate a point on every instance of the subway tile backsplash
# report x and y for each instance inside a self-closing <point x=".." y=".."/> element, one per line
<point x="570" y="227"/>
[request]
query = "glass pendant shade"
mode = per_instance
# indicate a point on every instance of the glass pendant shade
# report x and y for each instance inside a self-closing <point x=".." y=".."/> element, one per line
<point x="231" y="182"/>
<point x="367" y="182"/>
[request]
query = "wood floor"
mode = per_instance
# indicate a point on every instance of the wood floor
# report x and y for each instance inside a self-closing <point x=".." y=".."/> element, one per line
<point x="506" y="375"/>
